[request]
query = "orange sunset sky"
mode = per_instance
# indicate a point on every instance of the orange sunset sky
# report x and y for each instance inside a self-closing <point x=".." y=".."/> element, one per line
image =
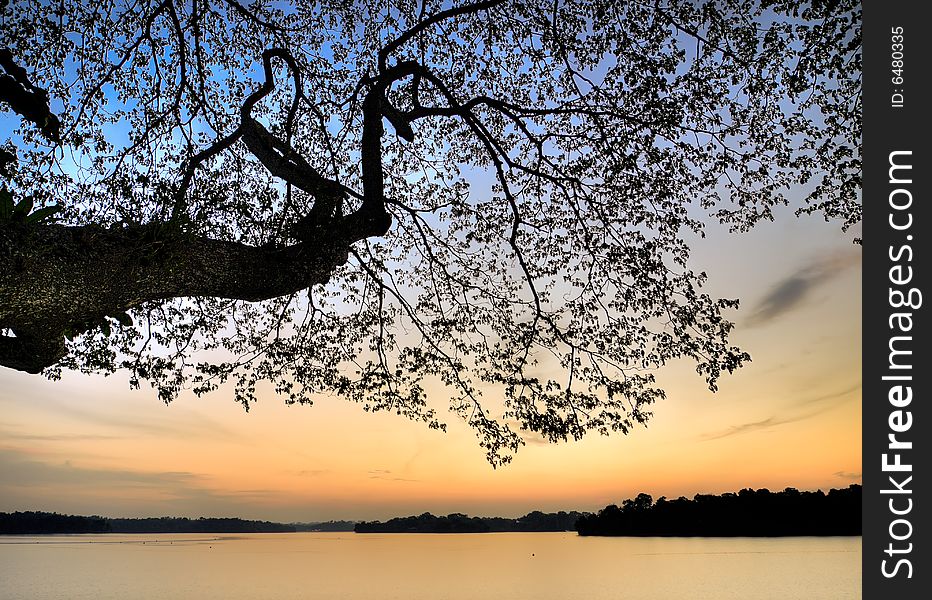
<point x="792" y="417"/>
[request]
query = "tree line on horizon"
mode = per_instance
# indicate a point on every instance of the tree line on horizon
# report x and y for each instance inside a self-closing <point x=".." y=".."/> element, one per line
<point x="461" y="523"/>
<point x="746" y="513"/>
<point x="34" y="522"/>
<point x="325" y="526"/>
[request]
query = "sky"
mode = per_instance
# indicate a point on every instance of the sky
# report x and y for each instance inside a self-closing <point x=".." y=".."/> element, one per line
<point x="790" y="418"/>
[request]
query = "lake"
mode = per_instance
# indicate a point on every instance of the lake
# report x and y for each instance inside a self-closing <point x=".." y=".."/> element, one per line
<point x="347" y="566"/>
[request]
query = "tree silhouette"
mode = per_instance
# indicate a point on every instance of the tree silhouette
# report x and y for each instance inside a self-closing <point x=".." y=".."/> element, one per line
<point x="366" y="199"/>
<point x="747" y="513"/>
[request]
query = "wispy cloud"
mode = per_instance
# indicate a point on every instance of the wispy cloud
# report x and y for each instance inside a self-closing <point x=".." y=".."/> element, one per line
<point x="260" y="494"/>
<point x="805" y="408"/>
<point x="311" y="472"/>
<point x="755" y="426"/>
<point x="180" y="424"/>
<point x="831" y="398"/>
<point x="387" y="475"/>
<point x="11" y="435"/>
<point x="19" y="469"/>
<point x="32" y="484"/>
<point x="797" y="287"/>
<point x="856" y="476"/>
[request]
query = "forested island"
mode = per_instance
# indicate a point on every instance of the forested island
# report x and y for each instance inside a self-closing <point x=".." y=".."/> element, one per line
<point x="325" y="526"/>
<point x="460" y="523"/>
<point x="200" y="525"/>
<point x="747" y="513"/>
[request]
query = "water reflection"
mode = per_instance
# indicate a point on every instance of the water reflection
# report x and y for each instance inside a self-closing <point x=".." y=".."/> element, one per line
<point x="516" y="566"/>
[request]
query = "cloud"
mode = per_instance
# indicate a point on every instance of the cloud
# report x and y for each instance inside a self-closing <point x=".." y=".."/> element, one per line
<point x="755" y="426"/>
<point x="179" y="423"/>
<point x="849" y="476"/>
<point x="794" y="289"/>
<point x="311" y="472"/>
<point x="30" y="484"/>
<point x="62" y="437"/>
<point x="256" y="494"/>
<point x="831" y="398"/>
<point x="814" y="405"/>
<point x="18" y="469"/>
<point x="386" y="475"/>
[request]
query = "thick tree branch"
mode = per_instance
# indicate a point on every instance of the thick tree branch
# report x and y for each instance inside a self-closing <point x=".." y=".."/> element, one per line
<point x="62" y="279"/>
<point x="284" y="162"/>
<point x="27" y="100"/>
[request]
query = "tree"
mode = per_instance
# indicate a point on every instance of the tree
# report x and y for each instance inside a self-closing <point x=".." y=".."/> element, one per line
<point x="367" y="198"/>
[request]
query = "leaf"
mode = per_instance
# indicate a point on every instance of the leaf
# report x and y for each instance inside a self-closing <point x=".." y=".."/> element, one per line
<point x="124" y="319"/>
<point x="23" y="207"/>
<point x="43" y="214"/>
<point x="105" y="328"/>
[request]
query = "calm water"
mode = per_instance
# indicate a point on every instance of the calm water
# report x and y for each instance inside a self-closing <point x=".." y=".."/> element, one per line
<point x="514" y="566"/>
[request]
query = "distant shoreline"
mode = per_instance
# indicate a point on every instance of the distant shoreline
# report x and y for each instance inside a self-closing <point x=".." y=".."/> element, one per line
<point x="43" y="523"/>
<point x="535" y="521"/>
<point x="748" y="513"/>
